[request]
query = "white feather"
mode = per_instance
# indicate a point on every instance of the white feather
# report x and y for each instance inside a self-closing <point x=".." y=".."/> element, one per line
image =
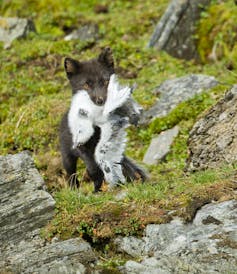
<point x="116" y="95"/>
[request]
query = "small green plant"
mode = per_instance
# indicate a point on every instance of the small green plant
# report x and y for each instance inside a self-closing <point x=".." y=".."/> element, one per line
<point x="85" y="230"/>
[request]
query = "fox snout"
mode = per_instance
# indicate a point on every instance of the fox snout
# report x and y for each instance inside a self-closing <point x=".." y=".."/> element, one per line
<point x="100" y="101"/>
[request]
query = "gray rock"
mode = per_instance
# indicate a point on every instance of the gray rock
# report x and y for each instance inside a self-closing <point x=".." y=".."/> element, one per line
<point x="85" y="33"/>
<point x="173" y="92"/>
<point x="148" y="265"/>
<point x="175" y="31"/>
<point x="14" y="28"/>
<point x="25" y="208"/>
<point x="160" y="146"/>
<point x="130" y="245"/>
<point x="207" y="245"/>
<point x="69" y="256"/>
<point x="212" y="140"/>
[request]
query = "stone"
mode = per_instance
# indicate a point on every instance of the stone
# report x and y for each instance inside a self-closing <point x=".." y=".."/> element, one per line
<point x="24" y="202"/>
<point x="69" y="255"/>
<point x="160" y="146"/>
<point x="88" y="32"/>
<point x="212" y="141"/>
<point x="148" y="265"/>
<point x="26" y="207"/>
<point x="131" y="245"/>
<point x="175" y="31"/>
<point x="173" y="92"/>
<point x="206" y="245"/>
<point x="14" y="28"/>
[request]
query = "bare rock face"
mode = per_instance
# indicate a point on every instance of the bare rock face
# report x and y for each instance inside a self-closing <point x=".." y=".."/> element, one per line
<point x="174" y="91"/>
<point x="14" y="28"/>
<point x="213" y="139"/>
<point x="174" y="33"/>
<point x="207" y="245"/>
<point x="25" y="208"/>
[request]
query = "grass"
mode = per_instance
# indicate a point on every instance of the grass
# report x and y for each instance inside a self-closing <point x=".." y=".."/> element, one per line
<point x="126" y="210"/>
<point x="34" y="94"/>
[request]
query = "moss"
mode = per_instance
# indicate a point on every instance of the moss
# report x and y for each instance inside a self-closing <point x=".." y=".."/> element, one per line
<point x="183" y="115"/>
<point x="217" y="31"/>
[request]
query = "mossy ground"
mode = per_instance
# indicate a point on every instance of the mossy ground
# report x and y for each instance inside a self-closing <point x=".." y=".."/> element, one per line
<point x="34" y="93"/>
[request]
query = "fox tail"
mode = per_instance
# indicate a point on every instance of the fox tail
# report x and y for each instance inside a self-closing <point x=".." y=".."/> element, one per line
<point x="132" y="171"/>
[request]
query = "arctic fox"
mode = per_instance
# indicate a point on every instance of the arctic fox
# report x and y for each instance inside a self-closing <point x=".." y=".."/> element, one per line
<point x="84" y="115"/>
<point x="90" y="82"/>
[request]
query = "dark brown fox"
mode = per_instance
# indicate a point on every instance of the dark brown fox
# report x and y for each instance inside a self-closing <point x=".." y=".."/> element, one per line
<point x="93" y="76"/>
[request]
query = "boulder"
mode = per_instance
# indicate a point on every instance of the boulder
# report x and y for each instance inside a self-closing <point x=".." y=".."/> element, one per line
<point x="173" y="92"/>
<point x="160" y="146"/>
<point x="14" y="28"/>
<point x="207" y="245"/>
<point x="88" y="32"/>
<point x="212" y="141"/>
<point x="26" y="207"/>
<point x="176" y="29"/>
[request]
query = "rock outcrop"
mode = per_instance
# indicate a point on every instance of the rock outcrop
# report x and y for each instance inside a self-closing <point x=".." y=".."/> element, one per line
<point x="14" y="28"/>
<point x="175" y="31"/>
<point x="25" y="208"/>
<point x="207" y="245"/>
<point x="213" y="139"/>
<point x="173" y="92"/>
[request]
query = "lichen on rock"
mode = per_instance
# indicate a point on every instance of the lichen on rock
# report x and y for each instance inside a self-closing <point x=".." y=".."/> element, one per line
<point x="212" y="141"/>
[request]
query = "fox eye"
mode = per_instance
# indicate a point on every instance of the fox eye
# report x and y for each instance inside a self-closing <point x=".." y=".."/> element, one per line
<point x="87" y="85"/>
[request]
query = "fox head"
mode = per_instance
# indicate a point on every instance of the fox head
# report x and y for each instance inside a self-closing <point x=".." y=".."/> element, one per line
<point x="92" y="76"/>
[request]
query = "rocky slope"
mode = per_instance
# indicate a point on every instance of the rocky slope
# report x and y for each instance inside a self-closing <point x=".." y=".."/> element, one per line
<point x="206" y="245"/>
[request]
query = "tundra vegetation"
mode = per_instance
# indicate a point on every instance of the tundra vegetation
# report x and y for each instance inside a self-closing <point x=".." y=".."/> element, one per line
<point x="34" y="93"/>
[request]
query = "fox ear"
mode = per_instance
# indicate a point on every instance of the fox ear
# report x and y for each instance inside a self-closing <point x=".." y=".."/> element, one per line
<point x="71" y="67"/>
<point x="106" y="58"/>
